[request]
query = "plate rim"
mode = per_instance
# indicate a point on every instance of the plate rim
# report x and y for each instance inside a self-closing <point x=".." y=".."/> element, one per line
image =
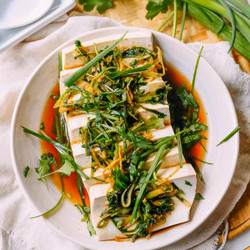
<point x="29" y="81"/>
<point x="49" y="3"/>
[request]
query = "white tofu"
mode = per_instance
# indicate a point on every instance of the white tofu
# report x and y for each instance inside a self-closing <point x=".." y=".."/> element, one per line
<point x="98" y="200"/>
<point x="159" y="133"/>
<point x="147" y="115"/>
<point x="169" y="160"/>
<point x="91" y="181"/>
<point x="74" y="123"/>
<point x="152" y="86"/>
<point x="64" y="75"/>
<point x="181" y="212"/>
<point x="132" y="39"/>
<point x="79" y="153"/>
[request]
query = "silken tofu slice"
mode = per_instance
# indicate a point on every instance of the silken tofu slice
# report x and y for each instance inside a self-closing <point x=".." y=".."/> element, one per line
<point x="65" y="74"/>
<point x="152" y="86"/>
<point x="180" y="214"/>
<point x="74" y="123"/>
<point x="169" y="160"/>
<point x="98" y="174"/>
<point x="132" y="39"/>
<point x="80" y="156"/>
<point x="98" y="202"/>
<point x="147" y="114"/>
<point x="159" y="133"/>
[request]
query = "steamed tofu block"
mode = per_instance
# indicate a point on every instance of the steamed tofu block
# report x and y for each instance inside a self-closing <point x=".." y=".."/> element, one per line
<point x="132" y="39"/>
<point x="146" y="114"/>
<point x="64" y="75"/>
<point x="98" y="174"/>
<point x="74" y="123"/>
<point x="169" y="160"/>
<point x="79" y="153"/>
<point x="159" y="133"/>
<point x="187" y="170"/>
<point x="98" y="201"/>
<point x="152" y="86"/>
<point x="181" y="212"/>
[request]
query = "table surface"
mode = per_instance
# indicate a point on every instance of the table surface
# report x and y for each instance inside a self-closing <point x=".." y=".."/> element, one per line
<point x="133" y="12"/>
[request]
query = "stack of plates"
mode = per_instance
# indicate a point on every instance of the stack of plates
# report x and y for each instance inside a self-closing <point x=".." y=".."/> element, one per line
<point x="21" y="18"/>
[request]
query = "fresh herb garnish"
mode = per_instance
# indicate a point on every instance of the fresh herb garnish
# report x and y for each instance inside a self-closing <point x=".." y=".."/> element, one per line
<point x="84" y="209"/>
<point x="198" y="196"/>
<point x="45" y="165"/>
<point x="177" y="188"/>
<point x="195" y="69"/>
<point x="63" y="150"/>
<point x="66" y="169"/>
<point x="52" y="209"/>
<point x="83" y="70"/>
<point x="229" y="136"/>
<point x="188" y="183"/>
<point x="148" y="177"/>
<point x="26" y="171"/>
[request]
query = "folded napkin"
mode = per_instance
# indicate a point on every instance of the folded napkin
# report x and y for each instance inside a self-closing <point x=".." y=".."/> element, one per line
<point x="17" y="231"/>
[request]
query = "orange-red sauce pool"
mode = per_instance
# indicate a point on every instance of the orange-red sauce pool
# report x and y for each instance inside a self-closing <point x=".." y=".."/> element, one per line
<point x="70" y="186"/>
<point x="69" y="182"/>
<point x="175" y="78"/>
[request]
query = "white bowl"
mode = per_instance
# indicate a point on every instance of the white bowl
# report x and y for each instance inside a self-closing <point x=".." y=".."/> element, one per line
<point x="221" y="119"/>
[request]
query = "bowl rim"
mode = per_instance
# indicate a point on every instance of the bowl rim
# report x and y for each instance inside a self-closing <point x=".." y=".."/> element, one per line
<point x="118" y="29"/>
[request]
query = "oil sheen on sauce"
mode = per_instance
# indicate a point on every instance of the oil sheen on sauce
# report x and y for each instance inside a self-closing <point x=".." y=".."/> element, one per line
<point x="70" y="187"/>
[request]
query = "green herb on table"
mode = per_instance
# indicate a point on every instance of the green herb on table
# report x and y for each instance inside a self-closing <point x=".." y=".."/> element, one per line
<point x="101" y="6"/>
<point x="211" y="14"/>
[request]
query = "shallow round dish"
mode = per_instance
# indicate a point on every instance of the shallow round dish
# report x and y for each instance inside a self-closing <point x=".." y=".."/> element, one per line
<point x="221" y="119"/>
<point x="17" y="13"/>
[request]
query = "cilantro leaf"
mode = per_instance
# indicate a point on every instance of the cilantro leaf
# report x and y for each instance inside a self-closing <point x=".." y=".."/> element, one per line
<point x="26" y="171"/>
<point x="198" y="196"/>
<point x="44" y="166"/>
<point x="139" y="141"/>
<point x="101" y="5"/>
<point x="154" y="7"/>
<point x="121" y="180"/>
<point x="186" y="98"/>
<point x="67" y="168"/>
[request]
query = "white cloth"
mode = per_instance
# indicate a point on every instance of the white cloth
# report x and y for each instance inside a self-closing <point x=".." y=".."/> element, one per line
<point x="17" y="231"/>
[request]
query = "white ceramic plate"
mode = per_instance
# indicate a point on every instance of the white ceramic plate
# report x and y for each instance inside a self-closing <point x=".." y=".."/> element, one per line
<point x="221" y="118"/>
<point x="17" y="13"/>
<point x="11" y="37"/>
